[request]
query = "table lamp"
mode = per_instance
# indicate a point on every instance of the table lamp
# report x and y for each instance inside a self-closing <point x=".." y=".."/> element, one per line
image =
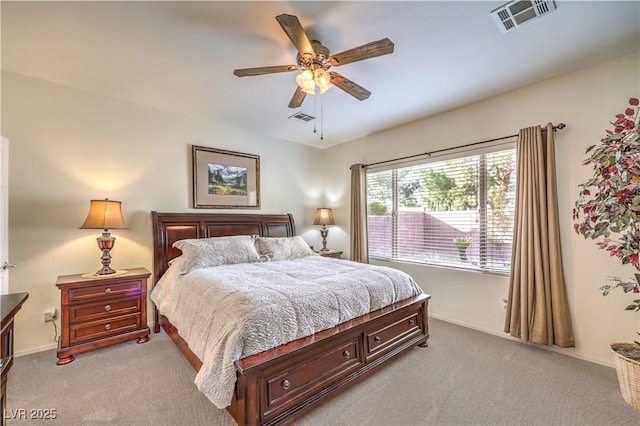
<point x="324" y="217"/>
<point x="105" y="214"/>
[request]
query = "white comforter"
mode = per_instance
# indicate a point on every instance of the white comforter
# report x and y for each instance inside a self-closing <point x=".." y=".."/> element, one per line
<point x="228" y="312"/>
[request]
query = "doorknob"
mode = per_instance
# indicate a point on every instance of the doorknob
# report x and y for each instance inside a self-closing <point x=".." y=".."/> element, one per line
<point x="7" y="265"/>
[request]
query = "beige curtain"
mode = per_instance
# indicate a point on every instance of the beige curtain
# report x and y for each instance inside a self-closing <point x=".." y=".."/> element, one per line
<point x="537" y="308"/>
<point x="359" y="245"/>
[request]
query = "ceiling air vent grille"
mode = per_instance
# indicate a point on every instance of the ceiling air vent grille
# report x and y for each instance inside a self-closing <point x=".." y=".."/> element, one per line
<point x="515" y="13"/>
<point x="301" y="117"/>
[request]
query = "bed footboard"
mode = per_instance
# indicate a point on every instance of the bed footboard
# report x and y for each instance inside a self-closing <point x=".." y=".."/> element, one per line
<point x="282" y="384"/>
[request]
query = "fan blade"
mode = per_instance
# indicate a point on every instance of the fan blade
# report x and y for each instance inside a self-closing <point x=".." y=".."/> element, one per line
<point x="245" y="72"/>
<point x="366" y="51"/>
<point x="349" y="86"/>
<point x="297" y="98"/>
<point x="291" y="25"/>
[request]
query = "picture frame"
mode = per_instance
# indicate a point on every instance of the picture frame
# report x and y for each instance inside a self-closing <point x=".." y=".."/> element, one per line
<point x="225" y="179"/>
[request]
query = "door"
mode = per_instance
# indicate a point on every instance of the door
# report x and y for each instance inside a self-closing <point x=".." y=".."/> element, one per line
<point x="4" y="216"/>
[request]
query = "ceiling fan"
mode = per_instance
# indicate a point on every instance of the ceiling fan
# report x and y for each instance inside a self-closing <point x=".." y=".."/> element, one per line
<point x="315" y="60"/>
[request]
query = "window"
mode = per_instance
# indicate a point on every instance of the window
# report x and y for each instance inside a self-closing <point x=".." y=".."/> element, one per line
<point x="456" y="211"/>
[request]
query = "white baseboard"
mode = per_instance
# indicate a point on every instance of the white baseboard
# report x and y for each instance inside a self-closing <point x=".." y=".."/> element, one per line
<point x="565" y="351"/>
<point x="569" y="352"/>
<point x="55" y="345"/>
<point x="34" y="350"/>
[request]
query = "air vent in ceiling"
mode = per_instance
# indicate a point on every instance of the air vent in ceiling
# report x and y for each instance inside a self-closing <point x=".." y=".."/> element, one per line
<point x="515" y="13"/>
<point x="301" y="117"/>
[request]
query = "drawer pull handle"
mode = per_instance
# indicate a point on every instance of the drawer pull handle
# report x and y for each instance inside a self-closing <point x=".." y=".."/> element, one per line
<point x="412" y="322"/>
<point x="107" y="290"/>
<point x="107" y="327"/>
<point x="377" y="339"/>
<point x="285" y="384"/>
<point x="346" y="354"/>
<point x="107" y="307"/>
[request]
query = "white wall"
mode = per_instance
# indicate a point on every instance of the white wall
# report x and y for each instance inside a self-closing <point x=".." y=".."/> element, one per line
<point x="69" y="146"/>
<point x="586" y="101"/>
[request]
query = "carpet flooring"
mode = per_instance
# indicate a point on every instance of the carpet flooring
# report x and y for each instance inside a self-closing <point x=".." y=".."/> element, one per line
<point x="464" y="377"/>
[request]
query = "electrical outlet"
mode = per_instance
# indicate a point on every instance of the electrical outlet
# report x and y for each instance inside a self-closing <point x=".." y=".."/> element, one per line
<point x="50" y="314"/>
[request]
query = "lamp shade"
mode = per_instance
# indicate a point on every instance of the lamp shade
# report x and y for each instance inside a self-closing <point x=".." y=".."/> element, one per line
<point x="324" y="216"/>
<point x="104" y="214"/>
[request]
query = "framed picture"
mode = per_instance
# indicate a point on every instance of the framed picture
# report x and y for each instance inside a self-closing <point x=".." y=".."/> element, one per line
<point x="225" y="179"/>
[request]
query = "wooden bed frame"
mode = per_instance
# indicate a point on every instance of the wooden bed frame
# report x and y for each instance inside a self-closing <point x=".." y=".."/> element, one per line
<point x="282" y="384"/>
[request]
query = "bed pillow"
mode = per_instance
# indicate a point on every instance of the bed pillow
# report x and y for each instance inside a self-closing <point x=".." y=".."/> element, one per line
<point x="284" y="248"/>
<point x="215" y="251"/>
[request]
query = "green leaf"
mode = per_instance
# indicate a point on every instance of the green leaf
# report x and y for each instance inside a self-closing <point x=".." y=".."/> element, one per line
<point x="600" y="229"/>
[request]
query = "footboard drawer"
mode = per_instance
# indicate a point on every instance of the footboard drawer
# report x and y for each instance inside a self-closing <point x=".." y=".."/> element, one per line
<point x="393" y="333"/>
<point x="291" y="384"/>
<point x="279" y="385"/>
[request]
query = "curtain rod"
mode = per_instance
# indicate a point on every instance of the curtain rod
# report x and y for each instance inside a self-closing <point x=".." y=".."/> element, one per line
<point x="437" y="151"/>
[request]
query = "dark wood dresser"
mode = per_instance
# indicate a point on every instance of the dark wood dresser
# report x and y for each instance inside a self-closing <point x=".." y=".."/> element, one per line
<point x="101" y="311"/>
<point x="330" y="253"/>
<point x="10" y="304"/>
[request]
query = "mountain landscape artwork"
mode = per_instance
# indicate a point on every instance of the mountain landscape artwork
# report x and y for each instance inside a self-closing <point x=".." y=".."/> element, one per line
<point x="227" y="180"/>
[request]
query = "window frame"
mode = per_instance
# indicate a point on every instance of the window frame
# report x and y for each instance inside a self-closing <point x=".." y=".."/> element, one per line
<point x="483" y="198"/>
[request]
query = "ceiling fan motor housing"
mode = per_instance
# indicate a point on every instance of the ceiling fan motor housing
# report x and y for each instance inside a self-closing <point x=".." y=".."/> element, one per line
<point x="319" y="60"/>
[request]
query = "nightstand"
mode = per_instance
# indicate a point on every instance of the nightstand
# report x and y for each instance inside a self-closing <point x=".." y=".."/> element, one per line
<point x="330" y="253"/>
<point x="101" y="311"/>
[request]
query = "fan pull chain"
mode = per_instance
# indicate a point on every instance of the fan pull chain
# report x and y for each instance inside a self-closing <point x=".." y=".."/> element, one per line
<point x="314" y="114"/>
<point x="321" y="117"/>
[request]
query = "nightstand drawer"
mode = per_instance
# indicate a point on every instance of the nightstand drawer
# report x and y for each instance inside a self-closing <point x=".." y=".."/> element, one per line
<point x="100" y="329"/>
<point x="105" y="309"/>
<point x="126" y="288"/>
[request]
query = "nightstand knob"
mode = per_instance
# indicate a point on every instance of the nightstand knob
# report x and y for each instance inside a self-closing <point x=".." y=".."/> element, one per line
<point x="107" y="307"/>
<point x="107" y="290"/>
<point x="412" y="322"/>
<point x="377" y="339"/>
<point x="107" y="327"/>
<point x="285" y="384"/>
<point x="346" y="354"/>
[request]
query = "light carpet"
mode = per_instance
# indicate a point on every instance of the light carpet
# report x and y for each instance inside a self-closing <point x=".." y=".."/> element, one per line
<point x="464" y="377"/>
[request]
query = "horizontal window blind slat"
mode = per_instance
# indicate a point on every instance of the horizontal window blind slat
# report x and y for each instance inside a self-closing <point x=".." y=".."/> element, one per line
<point x="456" y="212"/>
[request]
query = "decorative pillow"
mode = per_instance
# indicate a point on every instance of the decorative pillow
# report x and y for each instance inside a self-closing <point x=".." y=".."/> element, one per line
<point x="204" y="252"/>
<point x="284" y="248"/>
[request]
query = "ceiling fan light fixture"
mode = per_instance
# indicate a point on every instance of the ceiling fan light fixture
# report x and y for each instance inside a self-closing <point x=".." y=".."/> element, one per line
<point x="322" y="79"/>
<point x="305" y="82"/>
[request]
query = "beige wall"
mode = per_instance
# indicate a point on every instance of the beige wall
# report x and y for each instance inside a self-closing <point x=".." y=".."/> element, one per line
<point x="586" y="101"/>
<point x="69" y="146"/>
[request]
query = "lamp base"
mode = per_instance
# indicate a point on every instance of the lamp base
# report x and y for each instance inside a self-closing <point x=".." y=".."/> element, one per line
<point x="324" y="232"/>
<point x="105" y="243"/>
<point x="106" y="270"/>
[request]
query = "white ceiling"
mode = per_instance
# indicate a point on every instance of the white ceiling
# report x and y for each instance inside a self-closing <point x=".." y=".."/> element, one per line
<point x="180" y="56"/>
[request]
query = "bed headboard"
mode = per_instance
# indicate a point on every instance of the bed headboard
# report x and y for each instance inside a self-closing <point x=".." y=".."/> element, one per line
<point x="171" y="227"/>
